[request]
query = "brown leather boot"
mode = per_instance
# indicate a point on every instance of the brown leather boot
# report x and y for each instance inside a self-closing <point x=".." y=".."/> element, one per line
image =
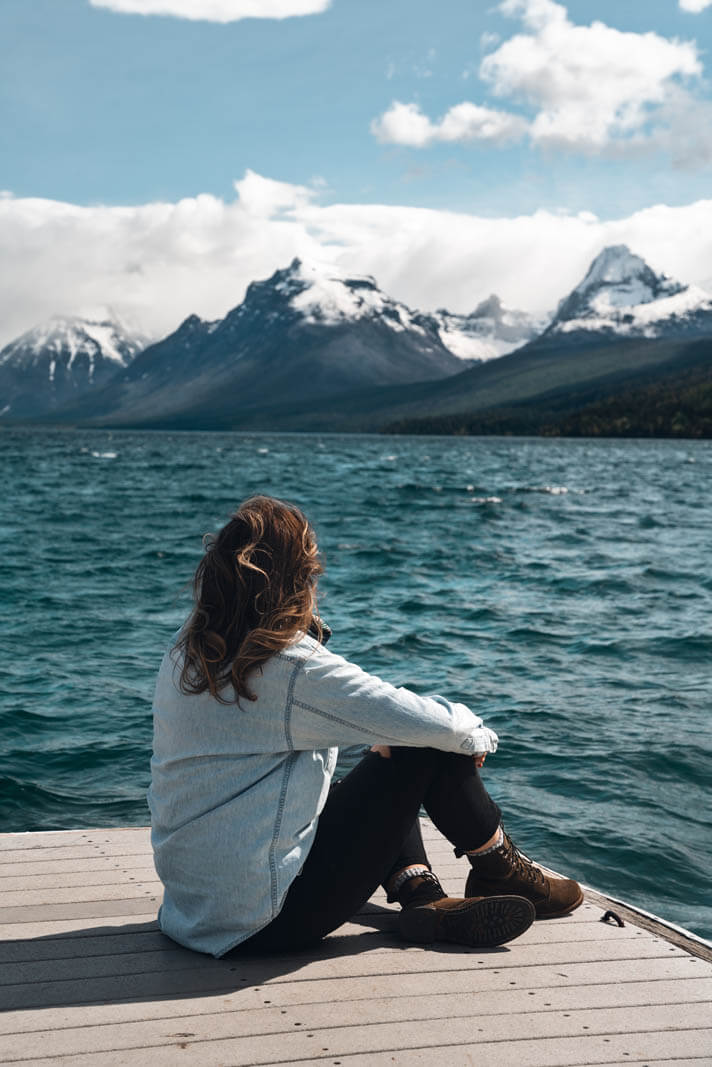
<point x="479" y="923"/>
<point x="506" y="870"/>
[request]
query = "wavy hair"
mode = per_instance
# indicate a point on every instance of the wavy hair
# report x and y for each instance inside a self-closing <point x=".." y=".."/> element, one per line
<point x="254" y="591"/>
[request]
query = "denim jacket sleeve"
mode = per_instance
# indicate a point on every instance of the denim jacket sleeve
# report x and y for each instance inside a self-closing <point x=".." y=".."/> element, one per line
<point x="335" y="703"/>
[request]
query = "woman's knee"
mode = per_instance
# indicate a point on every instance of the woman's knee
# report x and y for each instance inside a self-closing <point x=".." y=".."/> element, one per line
<point x="426" y="757"/>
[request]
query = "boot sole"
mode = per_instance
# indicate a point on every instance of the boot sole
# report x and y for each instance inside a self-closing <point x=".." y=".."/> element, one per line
<point x="482" y="923"/>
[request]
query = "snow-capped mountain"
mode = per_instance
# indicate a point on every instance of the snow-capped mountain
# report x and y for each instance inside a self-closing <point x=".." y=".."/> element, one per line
<point x="621" y="296"/>
<point x="490" y="331"/>
<point x="307" y="332"/>
<point x="325" y="296"/>
<point x="61" y="360"/>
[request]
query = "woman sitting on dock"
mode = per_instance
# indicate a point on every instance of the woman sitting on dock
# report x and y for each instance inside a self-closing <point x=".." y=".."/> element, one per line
<point x="252" y="845"/>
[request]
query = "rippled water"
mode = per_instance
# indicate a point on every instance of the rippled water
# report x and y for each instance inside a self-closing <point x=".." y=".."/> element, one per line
<point x="561" y="588"/>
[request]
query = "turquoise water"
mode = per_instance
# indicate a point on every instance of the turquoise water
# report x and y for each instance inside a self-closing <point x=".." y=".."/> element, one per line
<point x="561" y="588"/>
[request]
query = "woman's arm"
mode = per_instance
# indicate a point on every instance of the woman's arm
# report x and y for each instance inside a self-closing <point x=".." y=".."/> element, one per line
<point x="333" y="703"/>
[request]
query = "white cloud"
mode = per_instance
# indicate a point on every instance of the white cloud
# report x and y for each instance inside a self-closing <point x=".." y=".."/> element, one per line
<point x="156" y="263"/>
<point x="589" y="85"/>
<point x="405" y="124"/>
<point x="216" y="10"/>
<point x="695" y="6"/>
<point x="584" y="88"/>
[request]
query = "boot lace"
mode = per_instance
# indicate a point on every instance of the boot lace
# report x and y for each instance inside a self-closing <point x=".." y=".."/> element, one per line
<point x="427" y="892"/>
<point x="522" y="866"/>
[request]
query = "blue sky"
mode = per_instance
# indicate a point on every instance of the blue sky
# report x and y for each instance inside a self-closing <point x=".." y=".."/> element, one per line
<point x="489" y="110"/>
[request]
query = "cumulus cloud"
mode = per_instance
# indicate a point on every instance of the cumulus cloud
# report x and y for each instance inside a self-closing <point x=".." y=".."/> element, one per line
<point x="583" y="88"/>
<point x="216" y="10"/>
<point x="406" y="124"/>
<point x="695" y="6"/>
<point x="156" y="263"/>
<point x="589" y="85"/>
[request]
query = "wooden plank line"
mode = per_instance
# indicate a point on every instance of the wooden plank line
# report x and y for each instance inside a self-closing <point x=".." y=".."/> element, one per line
<point x="51" y="895"/>
<point x="57" y="929"/>
<point x="84" y="984"/>
<point x="378" y="923"/>
<point x="272" y="1021"/>
<point x="326" y="986"/>
<point x="32" y="868"/>
<point x="281" y="1047"/>
<point x="30" y="855"/>
<point x="67" y="947"/>
<point x="250" y="1000"/>
<point x="159" y="961"/>
<point x="564" y="1052"/>
<point x="20" y="915"/>
<point x="28" y="878"/>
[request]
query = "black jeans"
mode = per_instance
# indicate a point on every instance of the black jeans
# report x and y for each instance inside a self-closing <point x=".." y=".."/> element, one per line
<point x="369" y="829"/>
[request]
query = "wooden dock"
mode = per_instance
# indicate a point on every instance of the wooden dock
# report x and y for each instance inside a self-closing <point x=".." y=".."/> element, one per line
<point x="88" y="979"/>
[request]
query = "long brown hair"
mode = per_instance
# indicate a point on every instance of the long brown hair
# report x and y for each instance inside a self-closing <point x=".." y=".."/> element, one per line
<point x="254" y="591"/>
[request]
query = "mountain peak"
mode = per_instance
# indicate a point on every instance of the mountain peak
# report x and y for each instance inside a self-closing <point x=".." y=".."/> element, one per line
<point x="615" y="264"/>
<point x="489" y="308"/>
<point x="62" y="358"/>
<point x="620" y="294"/>
<point x="100" y="336"/>
<point x="322" y="294"/>
<point x="617" y="278"/>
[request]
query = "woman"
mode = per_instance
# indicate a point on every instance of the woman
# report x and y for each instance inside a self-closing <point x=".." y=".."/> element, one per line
<point x="253" y="847"/>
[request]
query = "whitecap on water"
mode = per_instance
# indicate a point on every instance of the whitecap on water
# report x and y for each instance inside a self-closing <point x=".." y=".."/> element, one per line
<point x="105" y="455"/>
<point x="263" y="451"/>
<point x="553" y="490"/>
<point x="486" y="499"/>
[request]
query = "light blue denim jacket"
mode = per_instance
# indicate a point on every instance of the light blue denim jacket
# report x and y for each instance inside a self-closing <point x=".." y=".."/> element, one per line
<point x="236" y="790"/>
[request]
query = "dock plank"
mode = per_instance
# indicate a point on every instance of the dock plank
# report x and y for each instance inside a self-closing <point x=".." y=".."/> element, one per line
<point x="87" y="978"/>
<point x="429" y="1022"/>
<point x="102" y="944"/>
<point x="562" y="1044"/>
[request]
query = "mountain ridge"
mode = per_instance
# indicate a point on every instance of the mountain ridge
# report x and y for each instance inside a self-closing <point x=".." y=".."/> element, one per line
<point x="314" y="347"/>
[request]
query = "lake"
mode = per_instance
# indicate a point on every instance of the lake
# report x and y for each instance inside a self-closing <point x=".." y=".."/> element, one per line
<point x="561" y="588"/>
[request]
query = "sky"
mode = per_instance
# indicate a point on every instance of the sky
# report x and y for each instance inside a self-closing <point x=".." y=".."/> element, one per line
<point x="158" y="155"/>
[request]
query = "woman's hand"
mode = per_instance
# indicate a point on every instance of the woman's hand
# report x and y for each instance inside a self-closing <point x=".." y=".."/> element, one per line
<point x="479" y="758"/>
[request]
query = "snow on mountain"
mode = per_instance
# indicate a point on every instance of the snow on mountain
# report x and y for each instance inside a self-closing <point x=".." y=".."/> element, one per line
<point x="622" y="296"/>
<point x="68" y="338"/>
<point x="306" y="333"/>
<point x="324" y="295"/>
<point x="60" y="360"/>
<point x="488" y="332"/>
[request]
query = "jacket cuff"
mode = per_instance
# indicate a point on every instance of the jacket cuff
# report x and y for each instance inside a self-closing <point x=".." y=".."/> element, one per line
<point x="480" y="740"/>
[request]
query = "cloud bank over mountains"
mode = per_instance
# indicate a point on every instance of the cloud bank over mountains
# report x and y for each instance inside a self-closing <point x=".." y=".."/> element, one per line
<point x="587" y="89"/>
<point x="216" y="10"/>
<point x="157" y="262"/>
